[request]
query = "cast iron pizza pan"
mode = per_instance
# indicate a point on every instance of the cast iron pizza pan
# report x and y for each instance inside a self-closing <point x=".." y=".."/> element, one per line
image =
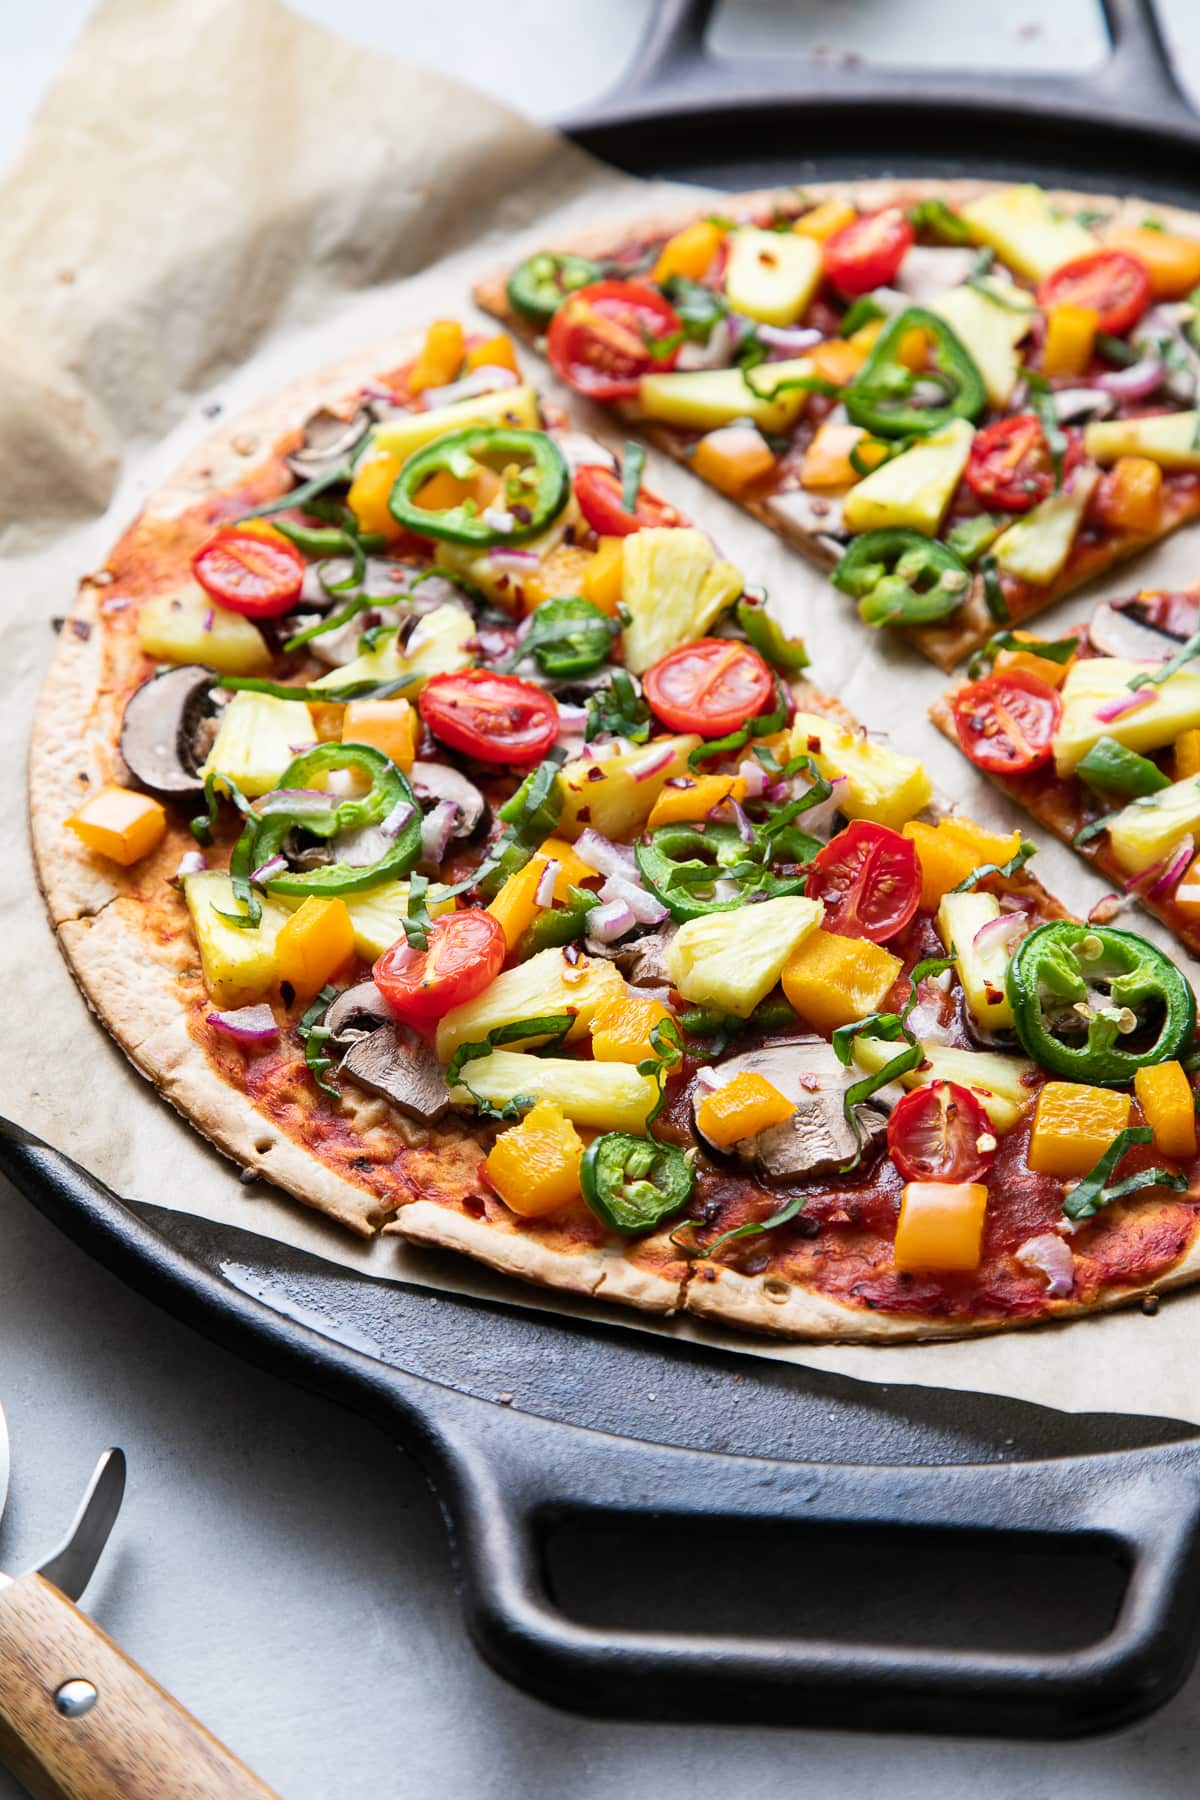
<point x="645" y="1529"/>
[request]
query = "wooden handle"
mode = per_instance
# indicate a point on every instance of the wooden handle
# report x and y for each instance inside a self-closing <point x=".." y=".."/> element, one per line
<point x="132" y="1743"/>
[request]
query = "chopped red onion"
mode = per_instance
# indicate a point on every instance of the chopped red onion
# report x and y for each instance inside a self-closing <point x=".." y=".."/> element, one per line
<point x="210" y="619"/>
<point x="246" y="1024"/>
<point x="1002" y="931"/>
<point x="655" y="760"/>
<point x="610" y="921"/>
<point x="299" y="749"/>
<point x="299" y="801"/>
<point x="1125" y="703"/>
<point x="646" y="909"/>
<point x="755" y="777"/>
<point x="436" y="829"/>
<point x="1176" y="867"/>
<point x="543" y="893"/>
<point x="787" y="340"/>
<point x="489" y="378"/>
<point x="519" y="561"/>
<point x="601" y="854"/>
<point x="1137" y="382"/>
<point x="818" y="817"/>
<point x="1048" y="1254"/>
<point x="397" y="819"/>
<point x="745" y="828"/>
<point x="192" y="862"/>
<point x="274" y="865"/>
<point x="497" y="518"/>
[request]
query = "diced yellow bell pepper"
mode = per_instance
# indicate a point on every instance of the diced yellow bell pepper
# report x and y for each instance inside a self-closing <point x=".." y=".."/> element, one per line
<point x="314" y="944"/>
<point x="494" y="353"/>
<point x="838" y="360"/>
<point x="441" y="356"/>
<point x="742" y="1108"/>
<point x="534" y="1166"/>
<point x="557" y="575"/>
<point x="621" y="1030"/>
<point x="120" y="824"/>
<point x="387" y="725"/>
<point x="826" y="220"/>
<point x="1070" y="337"/>
<point x="601" y="580"/>
<point x="913" y="349"/>
<point x="1029" y="662"/>
<point x="1132" y="494"/>
<point x="1073" y="1125"/>
<point x="950" y="850"/>
<point x="1165" y="1096"/>
<point x="695" y="799"/>
<point x="864" y="338"/>
<point x="940" y="1227"/>
<point x="1187" y="755"/>
<point x="1172" y="262"/>
<point x="515" y="906"/>
<point x="689" y="252"/>
<point x="733" y="457"/>
<point x="374" y="479"/>
<point x="827" y="460"/>
<point x="833" y="980"/>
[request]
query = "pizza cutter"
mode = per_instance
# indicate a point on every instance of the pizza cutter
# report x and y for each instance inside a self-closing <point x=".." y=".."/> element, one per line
<point x="78" y="1720"/>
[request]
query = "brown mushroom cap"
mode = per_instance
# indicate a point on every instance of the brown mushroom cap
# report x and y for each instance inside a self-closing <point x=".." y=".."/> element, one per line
<point x="163" y="739"/>
<point x="328" y="440"/>
<point x="437" y="781"/>
<point x="817" y="1139"/>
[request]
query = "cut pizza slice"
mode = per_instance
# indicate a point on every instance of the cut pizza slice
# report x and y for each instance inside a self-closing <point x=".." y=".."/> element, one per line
<point x="963" y="400"/>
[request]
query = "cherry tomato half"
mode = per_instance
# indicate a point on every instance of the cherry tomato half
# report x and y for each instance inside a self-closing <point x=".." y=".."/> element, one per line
<point x="940" y="1132"/>
<point x="465" y="953"/>
<point x="711" y="686"/>
<point x="1114" y="284"/>
<point x="1006" y="722"/>
<point x="602" y="338"/>
<point x="250" y="572"/>
<point x="598" y="491"/>
<point x="868" y="253"/>
<point x="870" y="880"/>
<point x="494" y="718"/>
<point x="1010" y="464"/>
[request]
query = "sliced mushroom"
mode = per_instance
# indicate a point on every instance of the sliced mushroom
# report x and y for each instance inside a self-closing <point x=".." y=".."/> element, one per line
<point x="1141" y="630"/>
<point x="328" y="440"/>
<point x="355" y="1014"/>
<point x="819" y="514"/>
<point x="167" y="730"/>
<point x="817" y="1138"/>
<point x="642" y="961"/>
<point x="436" y="781"/>
<point x="1072" y="406"/>
<point x="929" y="270"/>
<point x="401" y="1066"/>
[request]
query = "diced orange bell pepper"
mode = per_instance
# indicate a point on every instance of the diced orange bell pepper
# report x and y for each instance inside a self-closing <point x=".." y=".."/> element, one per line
<point x="742" y="1108"/>
<point x="733" y="458"/>
<point x="864" y="338"/>
<point x="370" y="491"/>
<point x="120" y="824"/>
<point x="913" y="349"/>
<point x="1030" y="663"/>
<point x="1187" y="755"/>
<point x="602" y="580"/>
<point x="1172" y="262"/>
<point x="494" y="353"/>
<point x="837" y="360"/>
<point x="387" y="725"/>
<point x="1070" y="337"/>
<point x="950" y="850"/>
<point x="940" y="1228"/>
<point x="1073" y="1125"/>
<point x="1132" y="494"/>
<point x="441" y="356"/>
<point x="826" y="220"/>
<point x="534" y="1166"/>
<point x="1165" y="1096"/>
<point x="621" y="1030"/>
<point x="694" y="799"/>
<point x="313" y="945"/>
<point x="832" y="980"/>
<point x="515" y="906"/>
<point x="689" y="252"/>
<point x="827" y="460"/>
<point x="561" y="573"/>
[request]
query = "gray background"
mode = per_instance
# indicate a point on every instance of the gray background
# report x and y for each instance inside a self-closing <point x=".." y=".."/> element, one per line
<point x="277" y="1565"/>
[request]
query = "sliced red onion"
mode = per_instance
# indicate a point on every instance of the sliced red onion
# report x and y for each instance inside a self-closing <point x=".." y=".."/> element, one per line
<point x="745" y="828"/>
<point x="646" y="909"/>
<point x="610" y="921"/>
<point x="1137" y="382"/>
<point x="655" y="760"/>
<point x="571" y="718"/>
<point x="192" y="862"/>
<point x="299" y="749"/>
<point x="1079" y="403"/>
<point x="397" y="819"/>
<point x="1000" y="932"/>
<point x="246" y="1024"/>
<point x="488" y="379"/>
<point x="787" y="340"/>
<point x="436" y="829"/>
<point x="601" y="854"/>
<point x="210" y="619"/>
<point x="1177" y="865"/>
<point x="755" y="777"/>
<point x="1126" y="703"/>
<point x="300" y="801"/>
<point x="1048" y="1254"/>
<point x="497" y="518"/>
<point x="520" y="562"/>
<point x="274" y="865"/>
<point x="543" y="893"/>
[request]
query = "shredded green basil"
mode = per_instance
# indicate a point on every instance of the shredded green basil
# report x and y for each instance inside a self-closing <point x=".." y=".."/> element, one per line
<point x="1184" y="654"/>
<point x="1056" y="650"/>
<point x="1006" y="870"/>
<point x="314" y="1035"/>
<point x="633" y="462"/>
<point x="1096" y="1190"/>
<point x="993" y="591"/>
<point x="667" y="1046"/>
<point x="553" y="1026"/>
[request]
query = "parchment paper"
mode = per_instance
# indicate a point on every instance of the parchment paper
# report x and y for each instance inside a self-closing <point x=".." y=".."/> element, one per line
<point x="215" y="199"/>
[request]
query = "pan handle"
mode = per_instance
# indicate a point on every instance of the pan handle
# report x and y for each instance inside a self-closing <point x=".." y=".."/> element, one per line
<point x="673" y="72"/>
<point x="516" y="1480"/>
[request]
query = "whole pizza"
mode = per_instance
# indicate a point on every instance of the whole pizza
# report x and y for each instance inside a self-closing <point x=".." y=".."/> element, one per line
<point x="454" y="835"/>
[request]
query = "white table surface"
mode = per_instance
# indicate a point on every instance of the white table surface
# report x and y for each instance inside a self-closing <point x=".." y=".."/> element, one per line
<point x="278" y="1566"/>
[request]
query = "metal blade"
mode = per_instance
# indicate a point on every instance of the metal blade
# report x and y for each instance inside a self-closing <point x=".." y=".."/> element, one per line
<point x="71" y="1565"/>
<point x="5" y="1459"/>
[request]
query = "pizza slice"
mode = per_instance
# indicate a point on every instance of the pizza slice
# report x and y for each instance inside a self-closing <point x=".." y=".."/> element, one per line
<point x="961" y="399"/>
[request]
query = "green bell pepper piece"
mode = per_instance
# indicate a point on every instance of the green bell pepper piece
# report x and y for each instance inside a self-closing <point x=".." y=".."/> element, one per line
<point x="1115" y="769"/>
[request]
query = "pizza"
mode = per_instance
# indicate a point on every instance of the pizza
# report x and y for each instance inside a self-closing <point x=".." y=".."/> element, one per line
<point x="450" y="832"/>
<point x="962" y="399"/>
<point x="1097" y="735"/>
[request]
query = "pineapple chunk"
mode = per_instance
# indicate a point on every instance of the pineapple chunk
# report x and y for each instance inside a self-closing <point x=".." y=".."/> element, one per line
<point x="495" y="578"/>
<point x="239" y="965"/>
<point x="1149" y="829"/>
<point x="915" y="488"/>
<point x="545" y="983"/>
<point x="604" y="1096"/>
<point x="674" y="586"/>
<point x="187" y="628"/>
<point x="704" y="399"/>
<point x="412" y="431"/>
<point x="436" y="647"/>
<point x="732" y="960"/>
<point x="990" y="330"/>
<point x="997" y="1082"/>
<point x="377" y="915"/>
<point x="1026" y="231"/>
<point x="613" y="797"/>
<point x="255" y="740"/>
<point x="1037" y="546"/>
<point x="1093" y="680"/>
<point x="981" y="972"/>
<point x="1169" y="439"/>
<point x="772" y="275"/>
<point x="881" y="784"/>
